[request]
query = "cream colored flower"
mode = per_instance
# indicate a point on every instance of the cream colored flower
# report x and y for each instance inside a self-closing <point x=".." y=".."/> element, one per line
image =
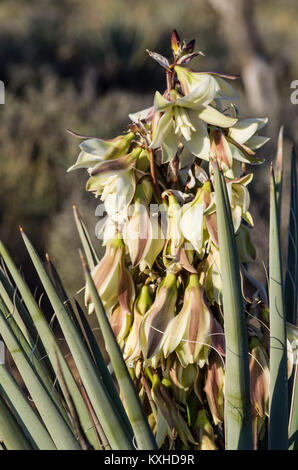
<point x="185" y="120"/>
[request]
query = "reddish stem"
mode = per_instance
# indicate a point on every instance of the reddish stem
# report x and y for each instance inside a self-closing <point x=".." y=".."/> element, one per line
<point x="153" y="174"/>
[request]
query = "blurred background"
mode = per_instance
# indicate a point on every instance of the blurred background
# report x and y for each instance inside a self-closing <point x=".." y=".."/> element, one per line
<point x="82" y="65"/>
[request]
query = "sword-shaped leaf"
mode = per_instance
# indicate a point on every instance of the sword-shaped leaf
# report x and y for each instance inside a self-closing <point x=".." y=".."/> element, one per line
<point x="278" y="403"/>
<point x="95" y="388"/>
<point x="48" y="340"/>
<point x="10" y="432"/>
<point x="57" y="427"/>
<point x="238" y="423"/>
<point x="25" y="413"/>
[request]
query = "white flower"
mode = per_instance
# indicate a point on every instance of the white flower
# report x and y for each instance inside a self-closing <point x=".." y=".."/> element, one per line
<point x="185" y="119"/>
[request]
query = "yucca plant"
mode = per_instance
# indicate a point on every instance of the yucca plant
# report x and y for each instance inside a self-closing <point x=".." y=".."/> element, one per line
<point x="193" y="355"/>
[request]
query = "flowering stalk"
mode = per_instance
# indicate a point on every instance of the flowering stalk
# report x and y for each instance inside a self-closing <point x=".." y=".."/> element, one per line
<point x="160" y="279"/>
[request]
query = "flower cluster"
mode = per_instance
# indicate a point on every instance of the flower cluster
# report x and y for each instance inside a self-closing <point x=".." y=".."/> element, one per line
<point x="160" y="278"/>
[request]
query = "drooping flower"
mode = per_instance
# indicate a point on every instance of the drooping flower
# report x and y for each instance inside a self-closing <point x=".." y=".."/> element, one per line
<point x="175" y="254"/>
<point x="169" y="415"/>
<point x="156" y="320"/>
<point x="238" y="143"/>
<point x="188" y="334"/>
<point x="121" y="321"/>
<point x="112" y="280"/>
<point x="259" y="378"/>
<point x="193" y="223"/>
<point x="182" y="379"/>
<point x="142" y="233"/>
<point x="210" y="275"/>
<point x="94" y="151"/>
<point x="185" y="119"/>
<point x="239" y="199"/>
<point x="111" y="167"/>
<point x="102" y="174"/>
<point x="132" y="350"/>
<point x="245" y="132"/>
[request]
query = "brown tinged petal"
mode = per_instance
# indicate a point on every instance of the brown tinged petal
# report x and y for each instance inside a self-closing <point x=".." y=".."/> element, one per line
<point x="120" y="322"/>
<point x="189" y="332"/>
<point x="182" y="259"/>
<point x="124" y="163"/>
<point x="220" y="148"/>
<point x="138" y="231"/>
<point x="157" y="318"/>
<point x="217" y="336"/>
<point x="259" y="378"/>
<point x="106" y="276"/>
<point x="126" y="289"/>
<point x="214" y="387"/>
<point x="210" y="217"/>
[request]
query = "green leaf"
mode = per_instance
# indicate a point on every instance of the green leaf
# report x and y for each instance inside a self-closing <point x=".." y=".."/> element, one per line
<point x="36" y="361"/>
<point x="17" y="309"/>
<point x="278" y="402"/>
<point x="25" y="413"/>
<point x="95" y="389"/>
<point x="89" y="250"/>
<point x="10" y="432"/>
<point x="104" y="371"/>
<point x="238" y="422"/>
<point x="53" y="420"/>
<point x="48" y="340"/>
